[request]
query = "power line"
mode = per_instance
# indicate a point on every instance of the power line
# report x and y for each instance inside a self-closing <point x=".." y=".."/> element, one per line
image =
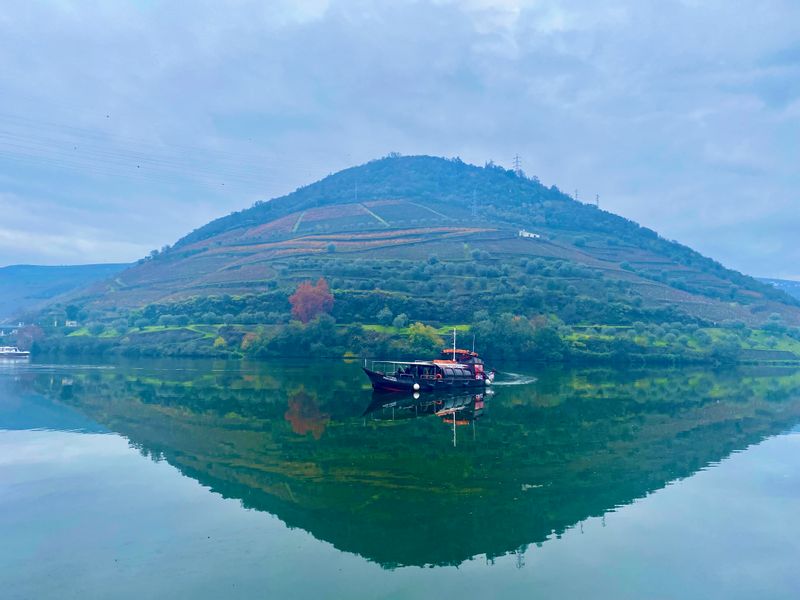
<point x="91" y="152"/>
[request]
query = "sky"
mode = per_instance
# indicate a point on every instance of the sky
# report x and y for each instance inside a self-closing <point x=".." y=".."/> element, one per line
<point x="125" y="125"/>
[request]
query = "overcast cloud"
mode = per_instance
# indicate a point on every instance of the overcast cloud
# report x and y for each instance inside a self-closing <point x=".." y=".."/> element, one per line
<point x="125" y="125"/>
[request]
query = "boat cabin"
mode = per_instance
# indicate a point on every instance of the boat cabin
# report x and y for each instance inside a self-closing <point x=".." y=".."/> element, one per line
<point x="424" y="370"/>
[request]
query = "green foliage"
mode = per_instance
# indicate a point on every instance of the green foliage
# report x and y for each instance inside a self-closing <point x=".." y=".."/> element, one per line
<point x="423" y="340"/>
<point x="385" y="316"/>
<point x="400" y="321"/>
<point x="512" y="337"/>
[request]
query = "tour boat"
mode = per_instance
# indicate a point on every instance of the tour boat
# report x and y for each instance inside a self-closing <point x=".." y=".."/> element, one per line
<point x="13" y="352"/>
<point x="456" y="370"/>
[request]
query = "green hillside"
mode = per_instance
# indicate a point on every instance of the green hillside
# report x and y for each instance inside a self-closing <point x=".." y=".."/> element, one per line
<point x="26" y="287"/>
<point x="420" y="239"/>
<point x="428" y="229"/>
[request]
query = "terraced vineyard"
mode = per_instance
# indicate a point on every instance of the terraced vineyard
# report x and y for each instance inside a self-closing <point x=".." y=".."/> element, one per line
<point x="430" y="228"/>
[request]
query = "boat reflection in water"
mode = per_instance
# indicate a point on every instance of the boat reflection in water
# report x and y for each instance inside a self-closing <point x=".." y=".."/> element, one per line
<point x="458" y="410"/>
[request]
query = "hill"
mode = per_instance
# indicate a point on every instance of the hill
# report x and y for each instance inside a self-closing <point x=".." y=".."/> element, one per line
<point x="413" y="246"/>
<point x="792" y="288"/>
<point x="26" y="287"/>
<point x="438" y="240"/>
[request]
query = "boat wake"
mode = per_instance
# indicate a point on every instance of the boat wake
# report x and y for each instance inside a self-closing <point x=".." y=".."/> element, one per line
<point x="514" y="379"/>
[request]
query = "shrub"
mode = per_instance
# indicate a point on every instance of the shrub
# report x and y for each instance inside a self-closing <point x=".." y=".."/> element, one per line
<point x="385" y="316"/>
<point x="400" y="321"/>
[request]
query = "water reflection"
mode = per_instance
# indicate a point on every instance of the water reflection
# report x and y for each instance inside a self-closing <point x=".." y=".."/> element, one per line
<point x="374" y="476"/>
<point x="458" y="410"/>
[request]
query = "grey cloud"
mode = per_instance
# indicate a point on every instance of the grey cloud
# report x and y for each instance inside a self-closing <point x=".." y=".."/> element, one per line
<point x="681" y="115"/>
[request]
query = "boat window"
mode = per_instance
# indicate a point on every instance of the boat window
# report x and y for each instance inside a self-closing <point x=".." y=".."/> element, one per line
<point x="449" y="372"/>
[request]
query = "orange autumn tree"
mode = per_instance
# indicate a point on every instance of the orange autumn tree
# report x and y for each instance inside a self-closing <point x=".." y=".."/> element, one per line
<point x="310" y="300"/>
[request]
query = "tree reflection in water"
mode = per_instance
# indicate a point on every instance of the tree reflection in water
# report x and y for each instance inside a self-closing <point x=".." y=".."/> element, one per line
<point x="305" y="415"/>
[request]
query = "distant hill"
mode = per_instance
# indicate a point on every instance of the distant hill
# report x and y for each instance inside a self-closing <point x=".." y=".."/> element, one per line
<point x="439" y="239"/>
<point x="792" y="288"/>
<point x="26" y="287"/>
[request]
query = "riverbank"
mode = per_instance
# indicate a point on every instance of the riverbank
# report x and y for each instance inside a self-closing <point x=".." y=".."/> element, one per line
<point x="504" y="338"/>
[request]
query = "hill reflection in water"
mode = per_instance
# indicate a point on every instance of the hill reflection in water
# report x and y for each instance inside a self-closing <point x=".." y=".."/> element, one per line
<point x="310" y="445"/>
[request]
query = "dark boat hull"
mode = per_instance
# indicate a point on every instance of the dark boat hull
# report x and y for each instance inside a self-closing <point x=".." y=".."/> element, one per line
<point x="390" y="383"/>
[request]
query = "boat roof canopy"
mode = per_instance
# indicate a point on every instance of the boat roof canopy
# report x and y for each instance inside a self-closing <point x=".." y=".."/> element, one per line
<point x="421" y="363"/>
<point x="405" y="362"/>
<point x="459" y="351"/>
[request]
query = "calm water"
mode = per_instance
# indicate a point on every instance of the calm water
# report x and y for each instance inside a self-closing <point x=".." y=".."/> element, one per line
<point x="210" y="480"/>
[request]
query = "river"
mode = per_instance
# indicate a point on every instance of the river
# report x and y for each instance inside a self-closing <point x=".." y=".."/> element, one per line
<point x="200" y="479"/>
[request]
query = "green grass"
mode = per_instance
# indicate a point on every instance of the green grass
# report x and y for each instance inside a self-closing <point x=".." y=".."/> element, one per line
<point x="390" y="330"/>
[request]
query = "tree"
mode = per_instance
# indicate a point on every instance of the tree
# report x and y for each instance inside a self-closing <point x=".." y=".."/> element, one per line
<point x="385" y="316"/>
<point x="400" y="321"/>
<point x="310" y="300"/>
<point x="424" y="340"/>
<point x="548" y="344"/>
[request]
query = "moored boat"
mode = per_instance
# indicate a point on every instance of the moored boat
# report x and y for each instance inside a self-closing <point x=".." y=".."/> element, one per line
<point x="13" y="352"/>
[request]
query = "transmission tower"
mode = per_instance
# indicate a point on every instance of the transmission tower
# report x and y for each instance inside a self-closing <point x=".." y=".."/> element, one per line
<point x="597" y="200"/>
<point x="517" y="165"/>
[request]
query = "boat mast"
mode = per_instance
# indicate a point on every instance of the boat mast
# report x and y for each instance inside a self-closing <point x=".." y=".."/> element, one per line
<point x="454" y="344"/>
